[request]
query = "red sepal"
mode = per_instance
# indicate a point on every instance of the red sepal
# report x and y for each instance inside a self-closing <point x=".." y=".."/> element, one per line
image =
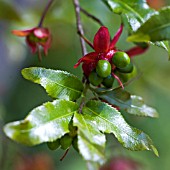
<point x="101" y="40"/>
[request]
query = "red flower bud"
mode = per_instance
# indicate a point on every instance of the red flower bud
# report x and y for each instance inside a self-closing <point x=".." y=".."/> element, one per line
<point x="104" y="49"/>
<point x="35" y="38"/>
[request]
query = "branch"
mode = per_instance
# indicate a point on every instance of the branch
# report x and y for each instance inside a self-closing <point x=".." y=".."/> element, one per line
<point x="91" y="16"/>
<point x="45" y="12"/>
<point x="79" y="26"/>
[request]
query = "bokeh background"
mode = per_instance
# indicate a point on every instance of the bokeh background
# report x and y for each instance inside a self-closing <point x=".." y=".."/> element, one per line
<point x="19" y="96"/>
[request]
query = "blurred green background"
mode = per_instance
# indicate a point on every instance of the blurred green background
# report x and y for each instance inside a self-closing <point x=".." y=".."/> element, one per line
<point x="19" y="96"/>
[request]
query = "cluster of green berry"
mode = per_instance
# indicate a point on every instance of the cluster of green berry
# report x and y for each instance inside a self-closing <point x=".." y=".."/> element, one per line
<point x="120" y="64"/>
<point x="65" y="141"/>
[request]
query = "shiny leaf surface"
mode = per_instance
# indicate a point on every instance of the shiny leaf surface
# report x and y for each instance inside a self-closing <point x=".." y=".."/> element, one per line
<point x="157" y="28"/>
<point x="130" y="103"/>
<point x="45" y="123"/>
<point x="134" y="13"/>
<point x="58" y="84"/>
<point x="91" y="142"/>
<point x="109" y="120"/>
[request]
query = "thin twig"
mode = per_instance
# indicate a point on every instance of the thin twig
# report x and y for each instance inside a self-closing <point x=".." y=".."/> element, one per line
<point x="91" y="16"/>
<point x="45" y="12"/>
<point x="79" y="26"/>
<point x="64" y="154"/>
<point x="86" y="40"/>
<point x="86" y="83"/>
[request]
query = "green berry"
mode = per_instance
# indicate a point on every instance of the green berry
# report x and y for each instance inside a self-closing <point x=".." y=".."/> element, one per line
<point x="120" y="59"/>
<point x="94" y="79"/>
<point x="53" y="145"/>
<point x="103" y="68"/>
<point x="73" y="129"/>
<point x="75" y="144"/>
<point x="65" y="141"/>
<point x="127" y="69"/>
<point x="127" y="76"/>
<point x="108" y="81"/>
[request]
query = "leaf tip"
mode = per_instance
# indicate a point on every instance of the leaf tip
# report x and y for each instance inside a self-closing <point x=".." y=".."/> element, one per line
<point x="138" y="37"/>
<point x="23" y="71"/>
<point x="155" y="151"/>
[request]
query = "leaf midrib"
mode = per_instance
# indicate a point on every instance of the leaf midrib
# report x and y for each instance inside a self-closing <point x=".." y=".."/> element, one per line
<point x="132" y="10"/>
<point x="93" y="146"/>
<point x="71" y="89"/>
<point x="113" y="124"/>
<point x="159" y="28"/>
<point x="129" y="105"/>
<point x="35" y="127"/>
<point x="90" y="135"/>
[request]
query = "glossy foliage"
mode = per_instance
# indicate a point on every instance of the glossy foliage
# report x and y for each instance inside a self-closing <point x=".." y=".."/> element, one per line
<point x="134" y="14"/>
<point x="63" y="123"/>
<point x="157" y="28"/>
<point x="130" y="103"/>
<point x="44" y="123"/>
<point x="109" y="120"/>
<point x="58" y="84"/>
<point x="91" y="142"/>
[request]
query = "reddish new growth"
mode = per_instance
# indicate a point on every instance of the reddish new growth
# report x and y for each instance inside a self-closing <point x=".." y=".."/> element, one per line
<point x="35" y="38"/>
<point x="104" y="49"/>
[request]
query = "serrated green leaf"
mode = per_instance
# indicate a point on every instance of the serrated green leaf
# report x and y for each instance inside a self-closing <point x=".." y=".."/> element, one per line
<point x="157" y="28"/>
<point x="44" y="123"/>
<point x="137" y="107"/>
<point x="134" y="13"/>
<point x="91" y="142"/>
<point x="109" y="120"/>
<point x="130" y="103"/>
<point x="58" y="84"/>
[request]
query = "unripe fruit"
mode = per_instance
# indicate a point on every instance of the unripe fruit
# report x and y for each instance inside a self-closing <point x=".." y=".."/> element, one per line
<point x="75" y="144"/>
<point x="94" y="79"/>
<point x="120" y="59"/>
<point x="65" y="141"/>
<point x="73" y="130"/>
<point x="103" y="68"/>
<point x="108" y="81"/>
<point x="127" y="76"/>
<point x="127" y="69"/>
<point x="53" y="145"/>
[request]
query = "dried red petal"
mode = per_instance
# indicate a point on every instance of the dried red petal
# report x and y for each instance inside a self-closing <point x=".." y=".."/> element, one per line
<point x="32" y="45"/>
<point x="41" y="32"/>
<point x="136" y="51"/>
<point x="90" y="57"/>
<point x="23" y="33"/>
<point x="88" y="67"/>
<point x="101" y="40"/>
<point x="47" y="45"/>
<point x="116" y="37"/>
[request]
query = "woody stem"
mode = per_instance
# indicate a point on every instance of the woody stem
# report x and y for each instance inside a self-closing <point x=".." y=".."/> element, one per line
<point x="79" y="26"/>
<point x="91" y="16"/>
<point x="86" y="40"/>
<point x="45" y="12"/>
